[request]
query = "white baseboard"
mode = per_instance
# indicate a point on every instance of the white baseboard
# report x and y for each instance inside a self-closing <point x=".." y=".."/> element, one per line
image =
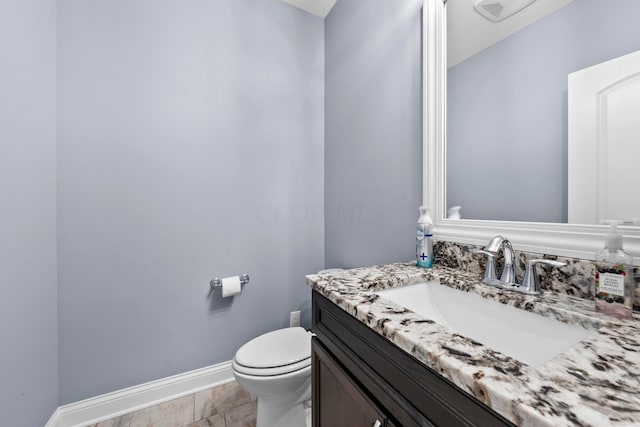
<point x="110" y="405"/>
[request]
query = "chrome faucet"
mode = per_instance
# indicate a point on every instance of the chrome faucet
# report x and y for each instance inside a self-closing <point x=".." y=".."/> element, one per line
<point x="491" y="251"/>
<point x="508" y="280"/>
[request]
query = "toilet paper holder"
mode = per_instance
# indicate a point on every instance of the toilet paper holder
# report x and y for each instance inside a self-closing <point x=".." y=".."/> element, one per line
<point x="216" y="282"/>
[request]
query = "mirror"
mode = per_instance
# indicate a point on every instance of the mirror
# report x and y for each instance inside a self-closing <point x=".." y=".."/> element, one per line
<point x="508" y="106"/>
<point x="534" y="235"/>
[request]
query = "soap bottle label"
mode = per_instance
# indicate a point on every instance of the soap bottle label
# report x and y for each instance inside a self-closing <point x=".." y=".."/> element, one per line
<point x="612" y="295"/>
<point x="424" y="249"/>
<point x="612" y="284"/>
<point x="610" y="281"/>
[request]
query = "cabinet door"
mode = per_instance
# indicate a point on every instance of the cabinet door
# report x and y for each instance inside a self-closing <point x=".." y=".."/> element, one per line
<point x="337" y="400"/>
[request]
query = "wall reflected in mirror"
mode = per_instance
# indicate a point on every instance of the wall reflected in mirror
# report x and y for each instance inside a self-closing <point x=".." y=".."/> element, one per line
<point x="507" y="134"/>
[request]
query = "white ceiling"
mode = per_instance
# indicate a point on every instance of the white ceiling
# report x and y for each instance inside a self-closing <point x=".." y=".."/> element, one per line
<point x="319" y="8"/>
<point x="468" y="32"/>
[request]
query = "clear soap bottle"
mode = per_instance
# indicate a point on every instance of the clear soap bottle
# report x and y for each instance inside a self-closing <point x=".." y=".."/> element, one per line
<point x="614" y="277"/>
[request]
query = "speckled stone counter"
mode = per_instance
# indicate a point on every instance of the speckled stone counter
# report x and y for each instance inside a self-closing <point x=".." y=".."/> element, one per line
<point x="594" y="383"/>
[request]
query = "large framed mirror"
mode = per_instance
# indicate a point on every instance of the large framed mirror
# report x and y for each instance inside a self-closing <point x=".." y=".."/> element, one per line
<point x="446" y="170"/>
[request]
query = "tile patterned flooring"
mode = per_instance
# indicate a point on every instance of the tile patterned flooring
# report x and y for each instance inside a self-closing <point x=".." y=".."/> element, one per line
<point x="227" y="405"/>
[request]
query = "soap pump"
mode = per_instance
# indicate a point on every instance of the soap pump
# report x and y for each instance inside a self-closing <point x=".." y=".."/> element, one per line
<point x="613" y="277"/>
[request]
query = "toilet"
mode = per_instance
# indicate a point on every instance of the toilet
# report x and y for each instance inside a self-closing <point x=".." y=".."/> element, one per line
<point x="276" y="367"/>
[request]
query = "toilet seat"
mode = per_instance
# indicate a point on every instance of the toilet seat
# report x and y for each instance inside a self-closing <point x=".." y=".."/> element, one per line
<point x="275" y="353"/>
<point x="271" y="372"/>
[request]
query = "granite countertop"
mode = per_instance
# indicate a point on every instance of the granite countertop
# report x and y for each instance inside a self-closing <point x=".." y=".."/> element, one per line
<point x="594" y="383"/>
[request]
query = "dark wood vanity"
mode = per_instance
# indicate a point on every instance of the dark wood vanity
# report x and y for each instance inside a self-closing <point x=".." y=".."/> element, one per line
<point x="362" y="379"/>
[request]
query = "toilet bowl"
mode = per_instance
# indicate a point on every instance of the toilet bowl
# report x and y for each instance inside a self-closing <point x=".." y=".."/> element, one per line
<point x="276" y="367"/>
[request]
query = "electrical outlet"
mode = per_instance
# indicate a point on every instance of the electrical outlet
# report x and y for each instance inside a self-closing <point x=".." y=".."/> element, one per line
<point x="294" y="319"/>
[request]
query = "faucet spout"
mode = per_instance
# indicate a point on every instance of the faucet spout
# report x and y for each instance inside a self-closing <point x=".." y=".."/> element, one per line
<point x="508" y="277"/>
<point x="494" y="247"/>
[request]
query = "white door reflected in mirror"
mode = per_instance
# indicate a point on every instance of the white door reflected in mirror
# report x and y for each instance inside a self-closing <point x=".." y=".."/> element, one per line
<point x="604" y="141"/>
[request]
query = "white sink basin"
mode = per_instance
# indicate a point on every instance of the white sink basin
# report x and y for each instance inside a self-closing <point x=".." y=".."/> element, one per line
<point x="528" y="337"/>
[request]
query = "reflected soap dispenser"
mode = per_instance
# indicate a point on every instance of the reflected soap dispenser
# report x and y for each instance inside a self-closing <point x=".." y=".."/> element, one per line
<point x="424" y="239"/>
<point x="614" y="278"/>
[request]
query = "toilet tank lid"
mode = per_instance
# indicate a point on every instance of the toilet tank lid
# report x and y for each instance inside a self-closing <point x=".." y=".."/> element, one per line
<point x="277" y="348"/>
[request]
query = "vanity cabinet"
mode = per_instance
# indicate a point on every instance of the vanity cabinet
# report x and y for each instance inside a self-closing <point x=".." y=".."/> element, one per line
<point x="360" y="379"/>
<point x="340" y="400"/>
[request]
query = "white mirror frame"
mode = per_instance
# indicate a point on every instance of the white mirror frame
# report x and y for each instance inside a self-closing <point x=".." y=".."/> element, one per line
<point x="578" y="241"/>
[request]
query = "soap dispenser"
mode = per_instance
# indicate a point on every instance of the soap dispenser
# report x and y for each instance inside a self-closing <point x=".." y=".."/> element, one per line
<point x="424" y="239"/>
<point x="614" y="279"/>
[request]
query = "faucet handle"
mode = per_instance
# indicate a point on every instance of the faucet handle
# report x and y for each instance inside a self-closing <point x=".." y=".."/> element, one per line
<point x="481" y="251"/>
<point x="490" y="277"/>
<point x="530" y="283"/>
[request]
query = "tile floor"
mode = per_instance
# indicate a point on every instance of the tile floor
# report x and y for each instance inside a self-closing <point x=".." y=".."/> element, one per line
<point x="227" y="405"/>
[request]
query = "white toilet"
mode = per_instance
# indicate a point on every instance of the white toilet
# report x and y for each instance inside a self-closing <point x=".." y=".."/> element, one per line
<point x="276" y="367"/>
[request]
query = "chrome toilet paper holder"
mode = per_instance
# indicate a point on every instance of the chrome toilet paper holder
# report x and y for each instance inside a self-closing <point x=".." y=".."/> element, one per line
<point x="216" y="282"/>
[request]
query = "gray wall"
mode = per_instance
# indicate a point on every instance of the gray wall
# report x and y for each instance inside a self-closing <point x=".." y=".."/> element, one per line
<point x="190" y="146"/>
<point x="28" y="309"/>
<point x="507" y="132"/>
<point x="373" y="131"/>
